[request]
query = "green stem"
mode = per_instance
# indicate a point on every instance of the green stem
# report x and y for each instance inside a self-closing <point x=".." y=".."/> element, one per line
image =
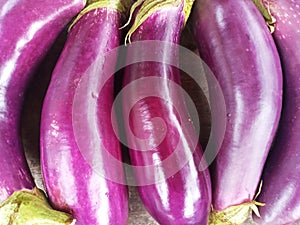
<point x="148" y="7"/>
<point x="265" y="11"/>
<point x="120" y="5"/>
<point x="30" y="207"/>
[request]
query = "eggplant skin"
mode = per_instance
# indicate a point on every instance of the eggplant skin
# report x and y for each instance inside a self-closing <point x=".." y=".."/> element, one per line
<point x="235" y="43"/>
<point x="27" y="30"/>
<point x="184" y="197"/>
<point x="72" y="184"/>
<point x="281" y="189"/>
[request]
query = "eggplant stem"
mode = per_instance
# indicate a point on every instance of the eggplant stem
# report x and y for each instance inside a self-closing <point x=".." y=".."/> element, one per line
<point x="233" y="215"/>
<point x="31" y="207"/>
<point x="266" y="13"/>
<point x="132" y="9"/>
<point x="96" y="4"/>
<point x="237" y="214"/>
<point x="259" y="190"/>
<point x="148" y="7"/>
<point x="187" y="7"/>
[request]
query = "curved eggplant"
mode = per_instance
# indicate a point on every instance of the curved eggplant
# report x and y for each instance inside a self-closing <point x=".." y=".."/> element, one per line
<point x="27" y="30"/>
<point x="281" y="189"/>
<point x="235" y="43"/>
<point x="173" y="192"/>
<point x="73" y="181"/>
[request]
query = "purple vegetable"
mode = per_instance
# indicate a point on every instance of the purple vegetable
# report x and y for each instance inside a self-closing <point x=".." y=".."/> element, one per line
<point x="235" y="43"/>
<point x="173" y="191"/>
<point x="27" y="29"/>
<point x="76" y="128"/>
<point x="281" y="189"/>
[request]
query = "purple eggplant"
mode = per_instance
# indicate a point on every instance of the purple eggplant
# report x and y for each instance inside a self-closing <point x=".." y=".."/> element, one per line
<point x="76" y="129"/>
<point x="174" y="191"/>
<point x="234" y="41"/>
<point x="27" y="30"/>
<point x="281" y="175"/>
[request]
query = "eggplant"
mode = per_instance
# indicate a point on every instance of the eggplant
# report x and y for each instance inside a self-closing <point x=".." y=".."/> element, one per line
<point x="27" y="30"/>
<point x="281" y="175"/>
<point x="77" y="134"/>
<point x="162" y="141"/>
<point x="235" y="43"/>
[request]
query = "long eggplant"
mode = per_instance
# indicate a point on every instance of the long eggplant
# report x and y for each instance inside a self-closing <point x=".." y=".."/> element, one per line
<point x="234" y="41"/>
<point x="281" y="175"/>
<point x="27" y="30"/>
<point x="163" y="154"/>
<point x="76" y="127"/>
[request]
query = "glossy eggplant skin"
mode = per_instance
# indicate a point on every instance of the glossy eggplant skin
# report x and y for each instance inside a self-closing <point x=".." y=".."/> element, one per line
<point x="185" y="196"/>
<point x="73" y="185"/>
<point x="281" y="174"/>
<point x="235" y="43"/>
<point x="27" y="30"/>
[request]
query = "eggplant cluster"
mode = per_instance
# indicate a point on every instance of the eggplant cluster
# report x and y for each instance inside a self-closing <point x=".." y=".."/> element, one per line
<point x="250" y="47"/>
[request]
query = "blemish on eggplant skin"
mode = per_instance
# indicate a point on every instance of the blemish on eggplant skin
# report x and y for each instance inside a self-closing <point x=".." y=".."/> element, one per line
<point x="94" y="95"/>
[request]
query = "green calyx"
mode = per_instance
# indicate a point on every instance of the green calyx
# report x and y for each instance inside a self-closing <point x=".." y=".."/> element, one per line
<point x="236" y="214"/>
<point x="119" y="5"/>
<point x="187" y="7"/>
<point x="30" y="207"/>
<point x="265" y="11"/>
<point x="148" y="7"/>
